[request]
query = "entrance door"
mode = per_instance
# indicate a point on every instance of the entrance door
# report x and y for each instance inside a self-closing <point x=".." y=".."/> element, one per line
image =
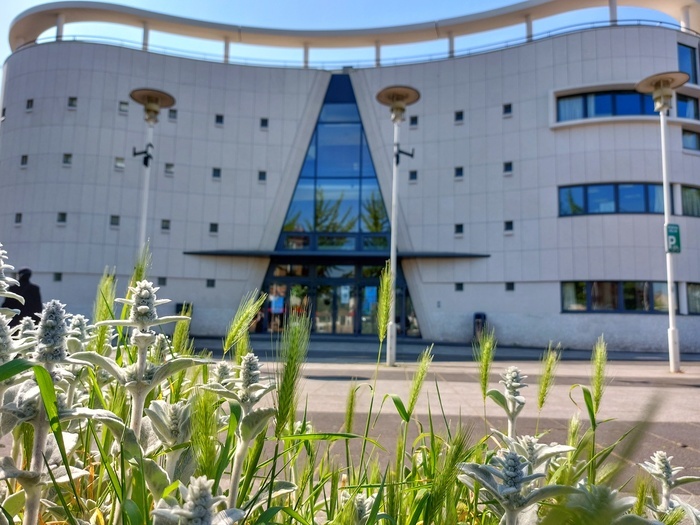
<point x="335" y="309"/>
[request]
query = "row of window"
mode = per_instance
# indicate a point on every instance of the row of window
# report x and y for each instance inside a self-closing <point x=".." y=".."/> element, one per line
<point x="459" y="172"/>
<point x="507" y="110"/>
<point x="510" y="287"/>
<point x="508" y="226"/>
<point x="115" y="221"/>
<point x="160" y="281"/>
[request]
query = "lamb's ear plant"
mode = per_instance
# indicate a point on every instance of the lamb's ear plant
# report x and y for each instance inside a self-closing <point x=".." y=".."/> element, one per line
<point x="661" y="470"/>
<point x="510" y="400"/>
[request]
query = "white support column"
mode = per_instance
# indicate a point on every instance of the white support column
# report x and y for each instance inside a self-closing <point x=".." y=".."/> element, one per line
<point x="528" y="28"/>
<point x="685" y="18"/>
<point x="306" y="55"/>
<point x="612" y="5"/>
<point x="683" y="298"/>
<point x="226" y="50"/>
<point x="60" y="22"/>
<point x="377" y="54"/>
<point x="451" y="45"/>
<point x="146" y="35"/>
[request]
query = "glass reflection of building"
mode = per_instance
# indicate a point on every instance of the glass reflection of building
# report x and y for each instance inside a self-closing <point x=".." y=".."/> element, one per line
<point x="335" y="237"/>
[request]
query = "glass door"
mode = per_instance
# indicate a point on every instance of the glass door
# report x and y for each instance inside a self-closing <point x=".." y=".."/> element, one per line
<point x="323" y="314"/>
<point x="345" y="306"/>
<point x="368" y="315"/>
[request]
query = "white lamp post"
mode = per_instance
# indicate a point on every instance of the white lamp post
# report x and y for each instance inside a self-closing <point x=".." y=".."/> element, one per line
<point x="152" y="101"/>
<point x="661" y="87"/>
<point x="397" y="98"/>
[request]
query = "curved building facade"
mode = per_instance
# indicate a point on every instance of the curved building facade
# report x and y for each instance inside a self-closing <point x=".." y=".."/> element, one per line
<point x="534" y="195"/>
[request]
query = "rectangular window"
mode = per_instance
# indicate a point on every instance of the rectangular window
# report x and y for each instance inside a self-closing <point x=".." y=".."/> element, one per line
<point x="459" y="117"/>
<point x="165" y="225"/>
<point x="169" y="168"/>
<point x="510" y="287"/>
<point x="114" y="220"/>
<point x="216" y="173"/>
<point x="211" y="283"/>
<point x="508" y="226"/>
<point x="413" y="121"/>
<point x="264" y="123"/>
<point x="687" y="62"/>
<point x="690" y="198"/>
<point x="659" y="294"/>
<point x="631" y="198"/>
<point x="571" y="201"/>
<point x="508" y="167"/>
<point x="574" y="297"/>
<point x="57" y="277"/>
<point x="30" y="104"/>
<point x="693" y="298"/>
<point x="459" y="229"/>
<point x="691" y="140"/>
<point x="507" y="110"/>
<point x="570" y="108"/>
<point x="687" y="107"/>
<point x="601" y="198"/>
<point x="172" y="114"/>
<point x="412" y="175"/>
<point x="61" y="217"/>
<point x="119" y="163"/>
<point x="459" y="287"/>
<point x="72" y="102"/>
<point x="655" y="198"/>
<point x="635" y="295"/>
<point x="219" y="120"/>
<point x="18" y="218"/>
<point x="162" y="281"/>
<point x="4" y="110"/>
<point x="67" y="159"/>
<point x="459" y="172"/>
<point x="213" y="227"/>
<point x="123" y="107"/>
<point x="262" y="176"/>
<point x="604" y="295"/>
<point x="24" y="160"/>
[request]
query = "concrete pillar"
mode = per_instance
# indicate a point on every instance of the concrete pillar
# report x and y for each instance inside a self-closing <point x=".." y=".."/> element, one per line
<point x="377" y="54"/>
<point x="677" y="198"/>
<point x="60" y="22"/>
<point x="683" y="298"/>
<point x="685" y="18"/>
<point x="612" y="5"/>
<point x="528" y="28"/>
<point x="306" y="55"/>
<point x="450" y="44"/>
<point x="144" y="44"/>
<point x="226" y="52"/>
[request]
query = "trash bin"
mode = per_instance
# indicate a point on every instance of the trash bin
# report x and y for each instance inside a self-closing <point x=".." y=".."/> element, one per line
<point x="479" y="324"/>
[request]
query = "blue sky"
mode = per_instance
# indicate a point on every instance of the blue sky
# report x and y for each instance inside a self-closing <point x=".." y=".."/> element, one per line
<point x="314" y="14"/>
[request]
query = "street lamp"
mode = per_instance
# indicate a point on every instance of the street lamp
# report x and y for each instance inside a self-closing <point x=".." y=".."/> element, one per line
<point x="397" y="98"/>
<point x="152" y="101"/>
<point x="661" y="87"/>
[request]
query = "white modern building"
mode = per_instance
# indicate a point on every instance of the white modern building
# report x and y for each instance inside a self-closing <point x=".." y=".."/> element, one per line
<point x="534" y="195"/>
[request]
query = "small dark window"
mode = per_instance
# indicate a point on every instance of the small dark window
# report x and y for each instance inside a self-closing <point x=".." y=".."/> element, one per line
<point x="61" y="217"/>
<point x="507" y="109"/>
<point x="508" y="226"/>
<point x="114" y="220"/>
<point x="507" y="167"/>
<point x="211" y="283"/>
<point x="459" y="116"/>
<point x="72" y="102"/>
<point x="262" y="176"/>
<point x="57" y="277"/>
<point x="165" y="225"/>
<point x="219" y="119"/>
<point x="413" y="175"/>
<point x="264" y="123"/>
<point x="67" y="159"/>
<point x="119" y="163"/>
<point x="459" y="229"/>
<point x="18" y="218"/>
<point x="24" y="160"/>
<point x="162" y="281"/>
<point x="123" y="107"/>
<point x="30" y="104"/>
<point x="459" y="287"/>
<point x="413" y="121"/>
<point x="169" y="168"/>
<point x="459" y="172"/>
<point x="510" y="287"/>
<point x="216" y="173"/>
<point x="213" y="227"/>
<point x="3" y="112"/>
<point x="172" y="114"/>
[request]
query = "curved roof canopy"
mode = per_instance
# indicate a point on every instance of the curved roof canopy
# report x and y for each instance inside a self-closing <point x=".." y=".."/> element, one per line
<point x="27" y="26"/>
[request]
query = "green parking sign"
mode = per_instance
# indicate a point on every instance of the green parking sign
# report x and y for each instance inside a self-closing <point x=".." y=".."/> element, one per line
<point x="673" y="238"/>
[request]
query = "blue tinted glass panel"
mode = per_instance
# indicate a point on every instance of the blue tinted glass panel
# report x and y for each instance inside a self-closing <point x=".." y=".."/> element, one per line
<point x="339" y="113"/>
<point x="367" y="164"/>
<point x="655" y="194"/>
<point x="687" y="62"/>
<point x="601" y="199"/>
<point x="300" y="216"/>
<point x="373" y="213"/>
<point x="602" y="106"/>
<point x="337" y="242"/>
<point x="308" y="169"/>
<point x="338" y="150"/>
<point x="570" y="108"/>
<point x="571" y="201"/>
<point x="648" y="105"/>
<point x="337" y="205"/>
<point x="340" y="90"/>
<point x="628" y="104"/>
<point x="687" y="107"/>
<point x="631" y="198"/>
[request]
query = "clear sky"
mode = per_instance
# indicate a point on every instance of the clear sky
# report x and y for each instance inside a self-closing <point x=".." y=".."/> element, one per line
<point x="314" y="14"/>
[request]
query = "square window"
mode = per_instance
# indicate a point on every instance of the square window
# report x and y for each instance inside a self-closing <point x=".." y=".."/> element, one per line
<point x="67" y="159"/>
<point x="57" y="277"/>
<point x="119" y="163"/>
<point x="413" y="121"/>
<point x="508" y="167"/>
<point x="413" y="175"/>
<point x="213" y="227"/>
<point x="72" y="102"/>
<point x="262" y="176"/>
<point x="459" y="116"/>
<point x="18" y="218"/>
<point x="459" y="287"/>
<point x="574" y="296"/>
<point x="508" y="226"/>
<point x="169" y="168"/>
<point x="459" y="229"/>
<point x="114" y="220"/>
<point x="123" y="107"/>
<point x="172" y="114"/>
<point x="162" y="281"/>
<point x="691" y="140"/>
<point x="3" y="112"/>
<point x="24" y="160"/>
<point x="219" y="120"/>
<point x="216" y="173"/>
<point x="507" y="110"/>
<point x="61" y="217"/>
<point x="264" y="123"/>
<point x="165" y="225"/>
<point x="459" y="172"/>
<point x="211" y="283"/>
<point x="30" y="104"/>
<point x="510" y="287"/>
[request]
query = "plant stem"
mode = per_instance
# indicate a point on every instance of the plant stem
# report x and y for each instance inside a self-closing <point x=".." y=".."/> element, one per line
<point x="32" y="504"/>
<point x="238" y="457"/>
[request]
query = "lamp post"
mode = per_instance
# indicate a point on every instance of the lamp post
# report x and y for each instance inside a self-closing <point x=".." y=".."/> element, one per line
<point x="397" y="98"/>
<point x="661" y="86"/>
<point x="152" y="101"/>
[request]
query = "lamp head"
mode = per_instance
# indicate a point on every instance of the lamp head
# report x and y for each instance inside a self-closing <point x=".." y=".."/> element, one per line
<point x="397" y="98"/>
<point x="152" y="101"/>
<point x="661" y="87"/>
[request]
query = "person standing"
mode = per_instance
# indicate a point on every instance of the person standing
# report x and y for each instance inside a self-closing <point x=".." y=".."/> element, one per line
<point x="31" y="294"/>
